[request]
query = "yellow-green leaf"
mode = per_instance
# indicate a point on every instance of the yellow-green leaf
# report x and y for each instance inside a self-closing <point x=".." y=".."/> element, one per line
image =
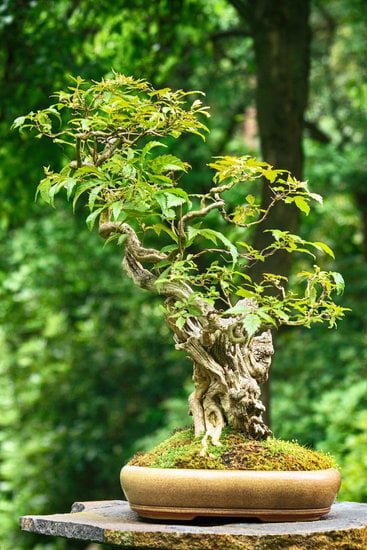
<point x="302" y="204"/>
<point x="322" y="246"/>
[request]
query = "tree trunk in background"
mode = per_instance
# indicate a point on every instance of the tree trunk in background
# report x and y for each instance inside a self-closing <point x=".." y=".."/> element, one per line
<point x="281" y="37"/>
<point x="281" y="34"/>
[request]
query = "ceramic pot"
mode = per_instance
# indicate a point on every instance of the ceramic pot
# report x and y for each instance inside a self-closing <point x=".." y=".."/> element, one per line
<point x="183" y="494"/>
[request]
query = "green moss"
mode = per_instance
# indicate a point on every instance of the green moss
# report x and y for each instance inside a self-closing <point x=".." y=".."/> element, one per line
<point x="182" y="450"/>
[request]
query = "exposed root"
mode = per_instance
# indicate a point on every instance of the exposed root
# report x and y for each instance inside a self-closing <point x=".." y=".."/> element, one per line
<point x="196" y="410"/>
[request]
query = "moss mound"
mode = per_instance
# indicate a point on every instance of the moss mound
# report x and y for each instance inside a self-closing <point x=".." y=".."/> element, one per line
<point x="182" y="450"/>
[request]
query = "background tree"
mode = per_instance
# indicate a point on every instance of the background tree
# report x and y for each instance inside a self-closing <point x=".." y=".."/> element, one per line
<point x="281" y="40"/>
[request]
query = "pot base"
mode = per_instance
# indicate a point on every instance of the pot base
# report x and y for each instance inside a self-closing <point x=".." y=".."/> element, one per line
<point x="188" y="514"/>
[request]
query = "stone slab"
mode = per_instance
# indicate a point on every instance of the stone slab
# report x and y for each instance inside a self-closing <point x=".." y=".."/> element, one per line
<point x="113" y="522"/>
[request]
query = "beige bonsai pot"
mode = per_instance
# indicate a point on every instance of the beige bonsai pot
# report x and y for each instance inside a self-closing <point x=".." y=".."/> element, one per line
<point x="183" y="494"/>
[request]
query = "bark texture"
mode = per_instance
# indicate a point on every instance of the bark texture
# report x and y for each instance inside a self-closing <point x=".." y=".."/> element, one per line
<point x="227" y="378"/>
<point x="228" y="367"/>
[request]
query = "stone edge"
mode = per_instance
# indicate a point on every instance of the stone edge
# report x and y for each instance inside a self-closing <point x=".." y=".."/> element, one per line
<point x="355" y="537"/>
<point x="62" y="529"/>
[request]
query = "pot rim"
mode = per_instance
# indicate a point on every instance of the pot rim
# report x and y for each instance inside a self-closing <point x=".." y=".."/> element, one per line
<point x="224" y="471"/>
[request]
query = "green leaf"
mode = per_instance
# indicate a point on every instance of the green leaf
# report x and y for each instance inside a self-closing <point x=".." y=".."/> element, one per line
<point x="159" y="227"/>
<point x="159" y="179"/>
<point x="18" y="122"/>
<point x="214" y="236"/>
<point x="252" y="323"/>
<point x="87" y="170"/>
<point x="316" y="197"/>
<point x="324" y="247"/>
<point x="266" y="317"/>
<point x="43" y="189"/>
<point x="180" y="322"/>
<point x="302" y="204"/>
<point x="243" y="275"/>
<point x="54" y="112"/>
<point x="339" y="282"/>
<point x="150" y="145"/>
<point x="209" y="234"/>
<point x="82" y="188"/>
<point x="305" y="251"/>
<point x="69" y="185"/>
<point x="91" y="219"/>
<point x="169" y="248"/>
<point x="246" y="293"/>
<point x="162" y="263"/>
<point x="44" y="122"/>
<point x="169" y="199"/>
<point x="54" y="189"/>
<point x="93" y="195"/>
<point x="282" y="315"/>
<point x="163" y="278"/>
<point x="179" y="193"/>
<point x="172" y="201"/>
<point x="168" y="163"/>
<point x="193" y="310"/>
<point x="238" y="309"/>
<point x="116" y="209"/>
<point x="277" y="233"/>
<point x="271" y="175"/>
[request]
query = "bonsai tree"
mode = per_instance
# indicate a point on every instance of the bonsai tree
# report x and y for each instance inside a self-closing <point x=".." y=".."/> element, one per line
<point x="115" y="133"/>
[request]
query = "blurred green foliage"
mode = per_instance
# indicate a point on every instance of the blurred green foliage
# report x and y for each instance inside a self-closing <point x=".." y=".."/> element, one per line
<point x="88" y="370"/>
<point x="85" y="364"/>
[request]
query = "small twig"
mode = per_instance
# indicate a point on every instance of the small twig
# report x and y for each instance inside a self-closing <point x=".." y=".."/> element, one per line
<point x="77" y="152"/>
<point x="197" y="214"/>
<point x="256" y="222"/>
<point x="209" y="250"/>
<point x="108" y="151"/>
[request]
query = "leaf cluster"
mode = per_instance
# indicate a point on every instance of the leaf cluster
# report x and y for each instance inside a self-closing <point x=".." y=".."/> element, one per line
<point x="116" y="130"/>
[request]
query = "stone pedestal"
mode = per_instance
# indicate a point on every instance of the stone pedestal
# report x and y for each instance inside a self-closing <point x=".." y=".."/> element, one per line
<point x="113" y="522"/>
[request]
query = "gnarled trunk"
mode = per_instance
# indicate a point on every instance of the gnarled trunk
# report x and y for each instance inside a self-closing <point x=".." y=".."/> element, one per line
<point x="228" y="366"/>
<point x="227" y="377"/>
